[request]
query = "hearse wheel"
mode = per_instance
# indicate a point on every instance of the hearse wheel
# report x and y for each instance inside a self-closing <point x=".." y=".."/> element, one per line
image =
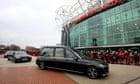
<point x="42" y="65"/>
<point x="92" y="73"/>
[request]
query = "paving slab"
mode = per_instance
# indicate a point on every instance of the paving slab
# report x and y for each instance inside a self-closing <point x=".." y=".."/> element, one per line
<point x="119" y="74"/>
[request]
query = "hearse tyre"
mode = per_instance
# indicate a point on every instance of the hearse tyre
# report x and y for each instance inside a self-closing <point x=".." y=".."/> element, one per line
<point x="92" y="72"/>
<point x="42" y="65"/>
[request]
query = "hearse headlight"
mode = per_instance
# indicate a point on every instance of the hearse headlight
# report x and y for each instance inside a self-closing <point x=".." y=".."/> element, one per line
<point x="101" y="65"/>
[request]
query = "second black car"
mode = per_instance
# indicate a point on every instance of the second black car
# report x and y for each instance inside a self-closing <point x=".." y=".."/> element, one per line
<point x="19" y="56"/>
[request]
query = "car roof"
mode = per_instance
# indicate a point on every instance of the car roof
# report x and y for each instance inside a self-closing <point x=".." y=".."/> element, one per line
<point x="15" y="51"/>
<point x="9" y="51"/>
<point x="55" y="46"/>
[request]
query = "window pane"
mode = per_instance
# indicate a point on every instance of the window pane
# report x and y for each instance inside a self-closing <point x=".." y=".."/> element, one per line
<point x="69" y="54"/>
<point x="47" y="52"/>
<point x="59" y="52"/>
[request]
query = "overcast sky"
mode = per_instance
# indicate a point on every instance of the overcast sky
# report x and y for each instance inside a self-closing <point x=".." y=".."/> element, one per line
<point x="30" y="22"/>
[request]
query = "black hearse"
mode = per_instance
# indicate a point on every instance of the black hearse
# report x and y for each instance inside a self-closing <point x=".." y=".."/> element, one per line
<point x="69" y="59"/>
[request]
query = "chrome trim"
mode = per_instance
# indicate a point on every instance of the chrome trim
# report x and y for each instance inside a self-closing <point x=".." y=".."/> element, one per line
<point x="64" y="69"/>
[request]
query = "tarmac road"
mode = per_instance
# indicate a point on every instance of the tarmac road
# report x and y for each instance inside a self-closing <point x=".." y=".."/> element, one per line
<point x="119" y="74"/>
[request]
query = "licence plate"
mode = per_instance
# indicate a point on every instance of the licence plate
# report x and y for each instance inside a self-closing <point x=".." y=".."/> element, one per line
<point x="24" y="59"/>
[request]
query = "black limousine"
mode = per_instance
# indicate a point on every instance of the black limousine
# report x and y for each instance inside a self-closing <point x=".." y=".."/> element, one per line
<point x="69" y="59"/>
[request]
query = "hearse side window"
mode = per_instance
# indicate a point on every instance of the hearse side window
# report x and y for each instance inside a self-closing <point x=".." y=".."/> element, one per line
<point x="47" y="52"/>
<point x="59" y="52"/>
<point x="69" y="54"/>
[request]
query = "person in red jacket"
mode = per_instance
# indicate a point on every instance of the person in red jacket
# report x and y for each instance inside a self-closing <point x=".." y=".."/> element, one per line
<point x="136" y="58"/>
<point x="113" y="57"/>
<point x="126" y="57"/>
<point x="131" y="56"/>
<point x="121" y="57"/>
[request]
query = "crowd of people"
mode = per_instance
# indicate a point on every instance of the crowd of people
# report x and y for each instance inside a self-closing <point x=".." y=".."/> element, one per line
<point x="120" y="56"/>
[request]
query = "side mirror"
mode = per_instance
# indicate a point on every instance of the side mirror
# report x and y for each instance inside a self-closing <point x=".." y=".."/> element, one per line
<point x="42" y="54"/>
<point x="76" y="58"/>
